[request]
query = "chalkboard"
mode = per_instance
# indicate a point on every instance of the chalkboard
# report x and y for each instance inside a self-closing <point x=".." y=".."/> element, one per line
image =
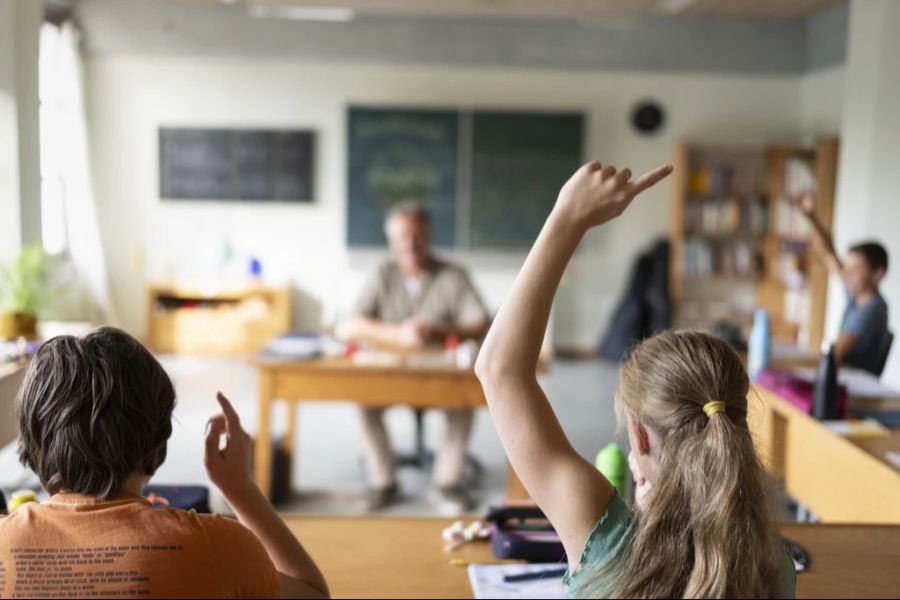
<point x="519" y="162"/>
<point x="235" y="164"/>
<point x="512" y="165"/>
<point x="397" y="155"/>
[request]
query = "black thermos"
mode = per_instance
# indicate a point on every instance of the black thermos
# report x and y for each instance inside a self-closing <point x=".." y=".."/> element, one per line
<point x="825" y="388"/>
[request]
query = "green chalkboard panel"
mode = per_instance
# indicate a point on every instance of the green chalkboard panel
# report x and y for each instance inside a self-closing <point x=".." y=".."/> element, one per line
<point x="396" y="155"/>
<point x="519" y="162"/>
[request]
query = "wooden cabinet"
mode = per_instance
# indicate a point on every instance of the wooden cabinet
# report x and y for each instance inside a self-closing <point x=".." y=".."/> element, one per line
<point x="220" y="321"/>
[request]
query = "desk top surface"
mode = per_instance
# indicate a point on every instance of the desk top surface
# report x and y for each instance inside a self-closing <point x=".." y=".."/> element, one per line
<point x="395" y="556"/>
<point x="435" y="362"/>
<point x="425" y="362"/>
<point x="881" y="448"/>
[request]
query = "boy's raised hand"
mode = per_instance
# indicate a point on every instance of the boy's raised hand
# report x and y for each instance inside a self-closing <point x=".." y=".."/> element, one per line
<point x="596" y="194"/>
<point x="229" y="467"/>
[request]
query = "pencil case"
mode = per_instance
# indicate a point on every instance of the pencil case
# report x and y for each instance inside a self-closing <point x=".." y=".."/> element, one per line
<point x="524" y="533"/>
<point x="185" y="497"/>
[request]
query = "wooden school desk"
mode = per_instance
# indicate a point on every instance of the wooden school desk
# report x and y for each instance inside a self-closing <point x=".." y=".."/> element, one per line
<point x="840" y="479"/>
<point x="412" y="382"/>
<point x="403" y="557"/>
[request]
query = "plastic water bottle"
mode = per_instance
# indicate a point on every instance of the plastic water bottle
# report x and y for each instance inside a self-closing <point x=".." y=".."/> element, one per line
<point x="825" y="388"/>
<point x="612" y="463"/>
<point x="759" y="349"/>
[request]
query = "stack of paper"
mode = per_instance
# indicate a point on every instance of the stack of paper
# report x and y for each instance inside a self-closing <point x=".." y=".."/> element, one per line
<point x="487" y="581"/>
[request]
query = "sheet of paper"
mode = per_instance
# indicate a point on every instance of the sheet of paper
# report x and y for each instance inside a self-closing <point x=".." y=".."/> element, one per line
<point x="860" y="384"/>
<point x="487" y="581"/>
<point x="377" y="358"/>
<point x="894" y="457"/>
<point x="858" y="428"/>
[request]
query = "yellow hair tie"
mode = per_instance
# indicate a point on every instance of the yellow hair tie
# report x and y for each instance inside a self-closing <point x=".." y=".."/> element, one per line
<point x="711" y="408"/>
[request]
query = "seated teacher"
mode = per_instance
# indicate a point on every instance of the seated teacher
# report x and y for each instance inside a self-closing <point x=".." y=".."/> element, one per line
<point x="414" y="300"/>
<point x="863" y="340"/>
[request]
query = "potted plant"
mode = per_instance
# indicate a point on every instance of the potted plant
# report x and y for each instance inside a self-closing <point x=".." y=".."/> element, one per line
<point x="23" y="292"/>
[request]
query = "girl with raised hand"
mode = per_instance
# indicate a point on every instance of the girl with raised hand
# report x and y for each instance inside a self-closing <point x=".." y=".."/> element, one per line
<point x="701" y="527"/>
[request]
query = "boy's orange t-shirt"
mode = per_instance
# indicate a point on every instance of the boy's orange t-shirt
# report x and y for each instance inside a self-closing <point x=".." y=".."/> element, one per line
<point x="74" y="546"/>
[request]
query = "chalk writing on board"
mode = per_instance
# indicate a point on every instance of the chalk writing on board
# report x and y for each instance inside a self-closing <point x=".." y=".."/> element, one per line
<point x="236" y="164"/>
<point x="512" y="165"/>
<point x="397" y="155"/>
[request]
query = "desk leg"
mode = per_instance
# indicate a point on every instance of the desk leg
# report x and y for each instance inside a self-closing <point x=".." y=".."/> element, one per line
<point x="262" y="455"/>
<point x="290" y="443"/>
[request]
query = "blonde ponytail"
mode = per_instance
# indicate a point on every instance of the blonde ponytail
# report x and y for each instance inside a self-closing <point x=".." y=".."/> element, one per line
<point x="705" y="530"/>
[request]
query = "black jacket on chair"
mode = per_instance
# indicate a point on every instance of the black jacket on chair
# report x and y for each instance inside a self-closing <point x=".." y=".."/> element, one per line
<point x="646" y="307"/>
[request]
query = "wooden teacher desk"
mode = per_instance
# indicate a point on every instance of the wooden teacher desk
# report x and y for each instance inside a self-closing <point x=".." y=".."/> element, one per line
<point x="417" y="380"/>
<point x="402" y="557"/>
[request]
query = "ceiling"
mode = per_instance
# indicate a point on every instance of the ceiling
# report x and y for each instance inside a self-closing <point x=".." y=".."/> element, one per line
<point x="557" y="9"/>
<point x="649" y="35"/>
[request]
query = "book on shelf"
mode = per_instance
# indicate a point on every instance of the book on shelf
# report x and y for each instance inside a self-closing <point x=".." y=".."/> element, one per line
<point x="725" y="179"/>
<point x="726" y="258"/>
<point x="747" y="216"/>
<point x="799" y="179"/>
<point x="792" y="223"/>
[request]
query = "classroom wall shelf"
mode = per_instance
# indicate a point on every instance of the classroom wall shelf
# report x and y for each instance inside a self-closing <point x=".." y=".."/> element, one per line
<point x="739" y="239"/>
<point x="219" y="321"/>
<point x="794" y="288"/>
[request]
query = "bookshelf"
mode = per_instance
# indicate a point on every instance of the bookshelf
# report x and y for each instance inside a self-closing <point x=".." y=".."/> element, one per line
<point x="740" y="241"/>
<point x="719" y="224"/>
<point x="794" y="287"/>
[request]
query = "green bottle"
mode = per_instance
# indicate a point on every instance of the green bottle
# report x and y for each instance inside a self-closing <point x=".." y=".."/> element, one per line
<point x="614" y="466"/>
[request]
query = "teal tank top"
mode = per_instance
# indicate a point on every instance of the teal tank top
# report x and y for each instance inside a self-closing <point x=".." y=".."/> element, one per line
<point x="611" y="534"/>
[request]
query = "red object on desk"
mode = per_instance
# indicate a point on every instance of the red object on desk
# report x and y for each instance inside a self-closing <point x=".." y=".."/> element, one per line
<point x="796" y="390"/>
<point x="452" y="342"/>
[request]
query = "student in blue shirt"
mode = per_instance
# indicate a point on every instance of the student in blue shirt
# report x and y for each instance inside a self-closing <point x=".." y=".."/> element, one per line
<point x="863" y="340"/>
<point x="702" y="526"/>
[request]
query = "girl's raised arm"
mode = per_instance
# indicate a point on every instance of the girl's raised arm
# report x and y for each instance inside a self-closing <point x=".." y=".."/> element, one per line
<point x="570" y="491"/>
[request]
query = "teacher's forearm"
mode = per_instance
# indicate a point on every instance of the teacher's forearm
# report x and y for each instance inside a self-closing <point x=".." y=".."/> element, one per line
<point x="366" y="329"/>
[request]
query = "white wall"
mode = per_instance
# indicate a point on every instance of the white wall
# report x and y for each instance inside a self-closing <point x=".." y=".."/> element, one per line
<point x="821" y="101"/>
<point x="129" y="97"/>
<point x="868" y="202"/>
<point x="9" y="179"/>
<point x="19" y="134"/>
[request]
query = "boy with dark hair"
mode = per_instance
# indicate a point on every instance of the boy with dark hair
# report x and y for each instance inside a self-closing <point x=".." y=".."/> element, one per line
<point x="95" y="414"/>
<point x="863" y="341"/>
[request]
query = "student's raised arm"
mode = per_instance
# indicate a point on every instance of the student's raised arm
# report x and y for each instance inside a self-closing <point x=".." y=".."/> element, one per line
<point x="570" y="491"/>
<point x="229" y="469"/>
<point x="822" y="236"/>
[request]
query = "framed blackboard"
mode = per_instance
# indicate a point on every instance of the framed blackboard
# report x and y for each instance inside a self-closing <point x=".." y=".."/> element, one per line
<point x="519" y="162"/>
<point x="396" y="155"/>
<point x="236" y="164"/>
<point x="489" y="178"/>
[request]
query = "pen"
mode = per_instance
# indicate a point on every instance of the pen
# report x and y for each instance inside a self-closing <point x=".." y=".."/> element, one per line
<point x="547" y="574"/>
<point x="462" y="562"/>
